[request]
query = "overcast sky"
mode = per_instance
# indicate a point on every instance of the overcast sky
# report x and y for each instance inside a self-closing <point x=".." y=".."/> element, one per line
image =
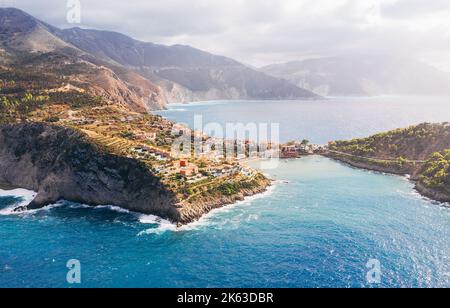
<point x="260" y="32"/>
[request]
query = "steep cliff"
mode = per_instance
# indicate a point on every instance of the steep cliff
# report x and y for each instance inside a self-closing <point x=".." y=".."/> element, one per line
<point x="61" y="163"/>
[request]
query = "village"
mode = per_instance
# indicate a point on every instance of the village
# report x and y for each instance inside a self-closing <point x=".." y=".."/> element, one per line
<point x="149" y="139"/>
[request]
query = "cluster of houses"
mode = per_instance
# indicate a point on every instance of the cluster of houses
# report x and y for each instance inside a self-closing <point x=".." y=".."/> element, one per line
<point x="228" y="170"/>
<point x="145" y="136"/>
<point x="215" y="149"/>
<point x="187" y="169"/>
<point x="145" y="152"/>
<point x="192" y="173"/>
<point x="160" y="125"/>
<point x="297" y="149"/>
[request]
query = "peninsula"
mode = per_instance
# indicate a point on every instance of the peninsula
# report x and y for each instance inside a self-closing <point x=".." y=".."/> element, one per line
<point x="421" y="151"/>
<point x="76" y="124"/>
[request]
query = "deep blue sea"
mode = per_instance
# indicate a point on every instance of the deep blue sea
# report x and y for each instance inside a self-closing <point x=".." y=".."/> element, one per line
<point x="320" y="121"/>
<point x="318" y="226"/>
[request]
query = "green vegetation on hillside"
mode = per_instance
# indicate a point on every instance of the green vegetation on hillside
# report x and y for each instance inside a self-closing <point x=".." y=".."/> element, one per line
<point x="412" y="143"/>
<point x="232" y="188"/>
<point x="75" y="99"/>
<point x="12" y="108"/>
<point x="24" y="89"/>
<point x="436" y="172"/>
<point x="422" y="151"/>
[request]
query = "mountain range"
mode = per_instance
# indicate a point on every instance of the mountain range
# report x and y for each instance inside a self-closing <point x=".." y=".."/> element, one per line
<point x="138" y="74"/>
<point x="362" y="75"/>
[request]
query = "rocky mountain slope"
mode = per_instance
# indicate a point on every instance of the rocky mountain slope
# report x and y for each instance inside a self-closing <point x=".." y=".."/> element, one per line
<point x="138" y="73"/>
<point x="422" y="151"/>
<point x="363" y="75"/>
<point x="198" y="75"/>
<point x="29" y="45"/>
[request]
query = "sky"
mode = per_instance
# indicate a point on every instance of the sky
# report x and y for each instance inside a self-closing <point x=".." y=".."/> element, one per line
<point x="262" y="32"/>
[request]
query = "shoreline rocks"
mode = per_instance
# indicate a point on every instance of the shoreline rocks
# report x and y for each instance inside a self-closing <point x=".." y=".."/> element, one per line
<point x="61" y="163"/>
<point x="214" y="201"/>
<point x="415" y="177"/>
<point x="433" y="194"/>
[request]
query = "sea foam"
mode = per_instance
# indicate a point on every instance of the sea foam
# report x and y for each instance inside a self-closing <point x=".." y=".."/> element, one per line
<point x="26" y="196"/>
<point x="162" y="225"/>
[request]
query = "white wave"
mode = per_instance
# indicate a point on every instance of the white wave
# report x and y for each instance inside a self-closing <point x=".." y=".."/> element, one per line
<point x="205" y="221"/>
<point x="112" y="208"/>
<point x="43" y="209"/>
<point x="58" y="204"/>
<point x="416" y="195"/>
<point x="150" y="219"/>
<point x="26" y="197"/>
<point x="252" y="217"/>
<point x="162" y="225"/>
<point x="77" y="206"/>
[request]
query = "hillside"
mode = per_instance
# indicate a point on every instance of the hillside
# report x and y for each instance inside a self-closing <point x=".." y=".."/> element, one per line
<point x="30" y="48"/>
<point x="73" y="162"/>
<point x="61" y="163"/>
<point x="423" y="151"/>
<point x="145" y="76"/>
<point x="363" y="75"/>
<point x="183" y="72"/>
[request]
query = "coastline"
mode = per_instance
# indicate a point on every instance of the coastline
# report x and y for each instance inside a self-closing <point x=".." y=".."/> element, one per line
<point x="373" y="167"/>
<point x="190" y="216"/>
<point x="203" y="205"/>
<point x="414" y="178"/>
<point x="433" y="194"/>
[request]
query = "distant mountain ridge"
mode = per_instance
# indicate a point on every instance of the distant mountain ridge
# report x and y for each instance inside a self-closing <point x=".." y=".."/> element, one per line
<point x="122" y="49"/>
<point x="183" y="70"/>
<point x="148" y="75"/>
<point x="30" y="48"/>
<point x="363" y="75"/>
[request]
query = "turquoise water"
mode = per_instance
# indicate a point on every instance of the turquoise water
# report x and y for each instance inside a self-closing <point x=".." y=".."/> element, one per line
<point x="317" y="227"/>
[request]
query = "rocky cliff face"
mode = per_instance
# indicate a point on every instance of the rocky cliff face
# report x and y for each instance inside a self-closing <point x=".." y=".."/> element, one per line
<point x="433" y="194"/>
<point x="215" y="199"/>
<point x="61" y="163"/>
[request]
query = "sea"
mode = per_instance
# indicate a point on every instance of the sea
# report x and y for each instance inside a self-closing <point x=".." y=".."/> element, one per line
<point x="322" y="223"/>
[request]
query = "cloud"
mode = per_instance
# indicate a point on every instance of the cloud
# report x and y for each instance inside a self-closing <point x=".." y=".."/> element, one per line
<point x="261" y="32"/>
